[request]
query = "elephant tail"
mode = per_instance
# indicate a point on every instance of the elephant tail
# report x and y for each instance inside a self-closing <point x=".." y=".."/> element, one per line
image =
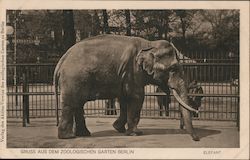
<point x="55" y="83"/>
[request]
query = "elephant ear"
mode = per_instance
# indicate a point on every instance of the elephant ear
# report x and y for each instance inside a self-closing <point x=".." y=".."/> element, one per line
<point x="145" y="58"/>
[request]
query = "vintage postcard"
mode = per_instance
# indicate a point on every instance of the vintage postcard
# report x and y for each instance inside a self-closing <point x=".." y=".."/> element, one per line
<point x="124" y="79"/>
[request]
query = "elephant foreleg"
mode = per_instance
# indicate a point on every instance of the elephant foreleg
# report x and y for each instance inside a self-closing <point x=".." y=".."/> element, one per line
<point x="81" y="129"/>
<point x="188" y="123"/>
<point x="133" y="115"/>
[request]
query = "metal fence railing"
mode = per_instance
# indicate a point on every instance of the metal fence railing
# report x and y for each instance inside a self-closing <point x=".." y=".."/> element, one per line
<point x="30" y="92"/>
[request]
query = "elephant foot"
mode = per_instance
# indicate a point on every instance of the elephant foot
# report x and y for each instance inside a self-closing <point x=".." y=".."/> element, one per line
<point x="120" y="129"/>
<point x="65" y="135"/>
<point x="84" y="133"/>
<point x="136" y="132"/>
<point x="195" y="137"/>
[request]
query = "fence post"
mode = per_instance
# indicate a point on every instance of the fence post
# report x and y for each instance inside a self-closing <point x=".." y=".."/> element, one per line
<point x="24" y="102"/>
<point x="25" y="99"/>
<point x="238" y="115"/>
<point x="238" y="109"/>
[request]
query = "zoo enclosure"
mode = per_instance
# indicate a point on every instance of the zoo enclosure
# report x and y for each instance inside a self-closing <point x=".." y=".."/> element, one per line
<point x="30" y="90"/>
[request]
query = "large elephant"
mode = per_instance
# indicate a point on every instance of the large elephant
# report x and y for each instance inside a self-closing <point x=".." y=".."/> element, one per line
<point x="111" y="66"/>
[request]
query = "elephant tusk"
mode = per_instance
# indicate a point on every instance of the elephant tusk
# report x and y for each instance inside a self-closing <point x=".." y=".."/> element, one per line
<point x="178" y="98"/>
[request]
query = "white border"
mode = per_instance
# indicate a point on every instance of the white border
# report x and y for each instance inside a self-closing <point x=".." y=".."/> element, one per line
<point x="154" y="153"/>
<point x="95" y="4"/>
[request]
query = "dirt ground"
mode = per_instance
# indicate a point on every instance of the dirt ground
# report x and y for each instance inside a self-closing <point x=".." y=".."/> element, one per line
<point x="158" y="133"/>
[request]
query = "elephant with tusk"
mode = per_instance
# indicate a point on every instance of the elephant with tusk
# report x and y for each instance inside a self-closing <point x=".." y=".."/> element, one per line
<point x="164" y="101"/>
<point x="112" y="66"/>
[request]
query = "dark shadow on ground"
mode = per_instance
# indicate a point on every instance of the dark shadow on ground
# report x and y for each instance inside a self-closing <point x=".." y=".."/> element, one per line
<point x="106" y="133"/>
<point x="155" y="131"/>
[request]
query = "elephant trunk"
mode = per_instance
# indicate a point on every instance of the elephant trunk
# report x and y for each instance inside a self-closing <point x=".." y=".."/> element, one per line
<point x="177" y="83"/>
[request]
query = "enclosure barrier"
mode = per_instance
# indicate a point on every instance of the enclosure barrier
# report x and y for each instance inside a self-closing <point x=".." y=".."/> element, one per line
<point x="31" y="94"/>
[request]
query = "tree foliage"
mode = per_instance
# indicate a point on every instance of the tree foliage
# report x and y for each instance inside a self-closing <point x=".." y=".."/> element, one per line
<point x="224" y="28"/>
<point x="57" y="30"/>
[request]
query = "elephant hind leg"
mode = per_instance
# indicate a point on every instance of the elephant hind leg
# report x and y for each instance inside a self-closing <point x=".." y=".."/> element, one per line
<point x="81" y="129"/>
<point x="65" y="128"/>
<point x="119" y="124"/>
<point x="72" y="109"/>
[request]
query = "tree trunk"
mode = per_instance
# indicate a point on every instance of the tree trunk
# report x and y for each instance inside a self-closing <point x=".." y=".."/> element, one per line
<point x="69" y="36"/>
<point x="128" y="23"/>
<point x="161" y="28"/>
<point x="166" y="24"/>
<point x="106" y="29"/>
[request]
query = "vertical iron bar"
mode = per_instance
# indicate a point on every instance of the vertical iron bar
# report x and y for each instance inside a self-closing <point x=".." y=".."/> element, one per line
<point x="39" y="90"/>
<point x="208" y="84"/>
<point x="146" y="103"/>
<point x="16" y="97"/>
<point x="27" y="96"/>
<point x="35" y="88"/>
<point x="238" y="114"/>
<point x="238" y="102"/>
<point x="15" y="58"/>
<point x="153" y="103"/>
<point x="24" y="100"/>
<point x="148" y="108"/>
<point x="12" y="98"/>
<point x="150" y="102"/>
<point x="232" y="88"/>
<point x="199" y="72"/>
<point x="30" y="77"/>
<point x="49" y="90"/>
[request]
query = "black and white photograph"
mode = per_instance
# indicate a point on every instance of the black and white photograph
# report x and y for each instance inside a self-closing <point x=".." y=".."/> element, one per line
<point x="123" y="82"/>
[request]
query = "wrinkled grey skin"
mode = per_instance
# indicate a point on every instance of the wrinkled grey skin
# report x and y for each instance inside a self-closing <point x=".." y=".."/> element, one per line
<point x="111" y="66"/>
